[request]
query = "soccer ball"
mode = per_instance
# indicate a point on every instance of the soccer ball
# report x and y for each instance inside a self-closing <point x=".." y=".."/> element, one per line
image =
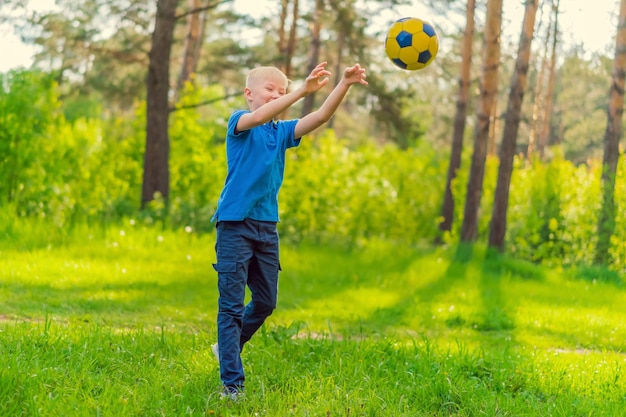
<point x="411" y="43"/>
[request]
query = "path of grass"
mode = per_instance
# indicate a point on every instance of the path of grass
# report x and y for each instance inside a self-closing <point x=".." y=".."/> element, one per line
<point x="119" y="323"/>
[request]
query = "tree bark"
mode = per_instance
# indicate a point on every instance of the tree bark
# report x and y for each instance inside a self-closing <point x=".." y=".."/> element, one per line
<point x="156" y="158"/>
<point x="544" y="136"/>
<point x="488" y="91"/>
<point x="493" y="128"/>
<point x="537" y="110"/>
<point x="193" y="44"/>
<point x="308" y="103"/>
<point x="282" y="32"/>
<point x="447" y="210"/>
<point x="612" y="135"/>
<point x="292" y="41"/>
<point x="287" y="42"/>
<point x="497" y="229"/>
<point x="341" y="41"/>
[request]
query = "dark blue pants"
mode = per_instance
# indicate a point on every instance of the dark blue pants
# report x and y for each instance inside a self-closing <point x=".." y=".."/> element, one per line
<point x="247" y="254"/>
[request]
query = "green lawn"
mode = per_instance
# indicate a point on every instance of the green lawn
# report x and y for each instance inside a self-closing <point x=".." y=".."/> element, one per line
<point x="119" y="322"/>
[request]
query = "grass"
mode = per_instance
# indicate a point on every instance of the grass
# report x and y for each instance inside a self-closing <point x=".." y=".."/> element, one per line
<point x="119" y="322"/>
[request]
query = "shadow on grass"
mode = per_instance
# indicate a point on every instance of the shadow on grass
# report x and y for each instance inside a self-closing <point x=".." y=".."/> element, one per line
<point x="421" y="298"/>
<point x="456" y="271"/>
<point x="184" y="300"/>
<point x="494" y="307"/>
<point x="597" y="274"/>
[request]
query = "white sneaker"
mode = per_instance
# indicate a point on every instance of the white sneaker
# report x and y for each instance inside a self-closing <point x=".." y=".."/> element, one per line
<point x="232" y="394"/>
<point x="216" y="351"/>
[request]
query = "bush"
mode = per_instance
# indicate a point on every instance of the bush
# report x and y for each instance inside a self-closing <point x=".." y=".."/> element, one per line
<point x="89" y="171"/>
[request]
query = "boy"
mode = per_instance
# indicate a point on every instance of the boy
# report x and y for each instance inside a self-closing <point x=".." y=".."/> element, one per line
<point x="247" y="245"/>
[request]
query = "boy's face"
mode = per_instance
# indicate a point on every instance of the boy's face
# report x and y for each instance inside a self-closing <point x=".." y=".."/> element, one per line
<point x="260" y="92"/>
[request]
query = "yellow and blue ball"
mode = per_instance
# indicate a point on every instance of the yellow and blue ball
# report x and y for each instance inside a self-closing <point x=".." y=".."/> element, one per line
<point x="411" y="43"/>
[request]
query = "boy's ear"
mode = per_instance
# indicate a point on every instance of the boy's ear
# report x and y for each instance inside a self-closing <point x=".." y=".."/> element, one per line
<point x="247" y="93"/>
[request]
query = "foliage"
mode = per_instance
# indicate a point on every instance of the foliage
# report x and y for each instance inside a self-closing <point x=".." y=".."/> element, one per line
<point x="580" y="119"/>
<point x="77" y="42"/>
<point x="89" y="169"/>
<point x="93" y="62"/>
<point x="365" y="193"/>
<point x="197" y="159"/>
<point x="119" y="321"/>
<point x="553" y="211"/>
<point x="86" y="169"/>
<point x="28" y="112"/>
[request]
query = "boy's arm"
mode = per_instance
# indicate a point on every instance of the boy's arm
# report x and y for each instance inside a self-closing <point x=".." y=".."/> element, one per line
<point x="313" y="120"/>
<point x="315" y="81"/>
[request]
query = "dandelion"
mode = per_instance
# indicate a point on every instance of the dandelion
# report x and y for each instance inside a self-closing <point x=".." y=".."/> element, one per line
<point x="188" y="229"/>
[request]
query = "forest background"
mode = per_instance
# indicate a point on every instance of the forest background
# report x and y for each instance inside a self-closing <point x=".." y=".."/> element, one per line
<point x="78" y="128"/>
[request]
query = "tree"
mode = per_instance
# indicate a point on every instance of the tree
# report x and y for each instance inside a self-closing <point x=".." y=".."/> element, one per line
<point x="544" y="134"/>
<point x="287" y="38"/>
<point x="349" y="27"/>
<point x="27" y="109"/>
<point x="193" y="44"/>
<point x="314" y="51"/>
<point x="497" y="229"/>
<point x="537" y="96"/>
<point x="90" y="60"/>
<point x="488" y="91"/>
<point x="156" y="159"/>
<point x="612" y="135"/>
<point x="447" y="210"/>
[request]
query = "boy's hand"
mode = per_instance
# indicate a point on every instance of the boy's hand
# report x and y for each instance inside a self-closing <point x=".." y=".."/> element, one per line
<point x="351" y="75"/>
<point x="314" y="81"/>
<point x="355" y="74"/>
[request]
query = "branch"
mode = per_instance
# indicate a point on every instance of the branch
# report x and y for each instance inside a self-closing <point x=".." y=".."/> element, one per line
<point x="202" y="103"/>
<point x="201" y="9"/>
<point x="124" y="56"/>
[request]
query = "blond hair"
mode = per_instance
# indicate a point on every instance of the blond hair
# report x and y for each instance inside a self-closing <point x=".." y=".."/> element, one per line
<point x="266" y="73"/>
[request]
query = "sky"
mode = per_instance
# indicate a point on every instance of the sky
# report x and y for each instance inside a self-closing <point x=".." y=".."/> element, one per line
<point x="589" y="22"/>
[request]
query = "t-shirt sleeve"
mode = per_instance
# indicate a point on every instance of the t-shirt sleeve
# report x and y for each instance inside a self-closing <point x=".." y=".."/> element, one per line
<point x="232" y="123"/>
<point x="291" y="141"/>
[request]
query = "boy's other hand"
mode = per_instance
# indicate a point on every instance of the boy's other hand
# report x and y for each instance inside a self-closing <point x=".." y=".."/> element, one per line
<point x="355" y="74"/>
<point x="317" y="79"/>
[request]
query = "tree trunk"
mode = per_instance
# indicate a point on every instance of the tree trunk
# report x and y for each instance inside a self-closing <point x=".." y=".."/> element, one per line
<point x="612" y="135"/>
<point x="193" y="44"/>
<point x="287" y="42"/>
<point x="308" y="103"/>
<point x="488" y="91"/>
<point x="291" y="43"/>
<point x="544" y="135"/>
<point x="497" y="230"/>
<point x="341" y="41"/>
<point x="282" y="37"/>
<point x="447" y="210"/>
<point x="537" y="110"/>
<point x="156" y="158"/>
<point x="493" y="126"/>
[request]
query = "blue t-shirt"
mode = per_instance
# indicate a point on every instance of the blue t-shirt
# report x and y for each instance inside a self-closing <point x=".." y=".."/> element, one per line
<point x="256" y="166"/>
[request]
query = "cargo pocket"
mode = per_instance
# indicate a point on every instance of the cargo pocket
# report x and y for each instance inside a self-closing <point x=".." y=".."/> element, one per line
<point x="231" y="282"/>
<point x="225" y="267"/>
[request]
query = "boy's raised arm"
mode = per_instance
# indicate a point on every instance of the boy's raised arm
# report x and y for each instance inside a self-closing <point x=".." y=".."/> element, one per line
<point x="352" y="75"/>
<point x="317" y="79"/>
